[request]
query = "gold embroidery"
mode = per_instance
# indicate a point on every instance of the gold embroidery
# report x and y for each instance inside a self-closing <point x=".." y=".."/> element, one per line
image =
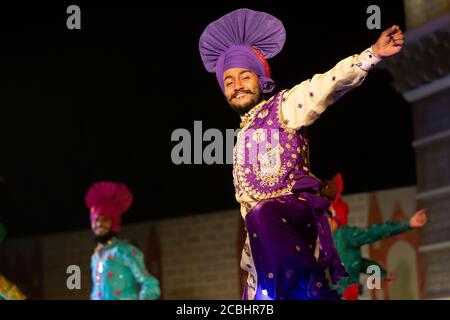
<point x="263" y="114"/>
<point x="260" y="196"/>
<point x="259" y="135"/>
<point x="249" y="117"/>
<point x="270" y="159"/>
<point x="270" y="169"/>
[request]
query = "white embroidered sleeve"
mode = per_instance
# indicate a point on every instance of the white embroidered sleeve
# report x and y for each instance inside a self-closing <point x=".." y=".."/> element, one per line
<point x="304" y="103"/>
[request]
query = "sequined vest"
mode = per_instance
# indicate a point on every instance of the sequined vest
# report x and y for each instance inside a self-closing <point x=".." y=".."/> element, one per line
<point x="268" y="156"/>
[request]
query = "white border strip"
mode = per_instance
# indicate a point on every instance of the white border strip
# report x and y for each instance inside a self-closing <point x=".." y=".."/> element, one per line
<point x="433" y="193"/>
<point x="432" y="138"/>
<point x="435" y="246"/>
<point x="427" y="89"/>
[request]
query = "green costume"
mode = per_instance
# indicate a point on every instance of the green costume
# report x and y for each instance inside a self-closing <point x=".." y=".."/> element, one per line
<point x="349" y="241"/>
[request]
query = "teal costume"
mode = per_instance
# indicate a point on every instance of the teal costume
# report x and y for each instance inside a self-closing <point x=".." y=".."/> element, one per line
<point x="119" y="273"/>
<point x="118" y="268"/>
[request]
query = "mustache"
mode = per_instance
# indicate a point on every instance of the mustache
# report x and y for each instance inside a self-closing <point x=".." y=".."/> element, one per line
<point x="239" y="92"/>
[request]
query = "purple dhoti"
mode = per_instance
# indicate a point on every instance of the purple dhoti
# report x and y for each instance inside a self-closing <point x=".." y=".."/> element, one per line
<point x="283" y="233"/>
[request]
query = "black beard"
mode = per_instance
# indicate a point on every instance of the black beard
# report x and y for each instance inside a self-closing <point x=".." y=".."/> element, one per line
<point x="243" y="109"/>
<point x="105" y="238"/>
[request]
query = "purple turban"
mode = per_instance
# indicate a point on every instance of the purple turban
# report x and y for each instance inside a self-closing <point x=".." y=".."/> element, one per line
<point x="242" y="39"/>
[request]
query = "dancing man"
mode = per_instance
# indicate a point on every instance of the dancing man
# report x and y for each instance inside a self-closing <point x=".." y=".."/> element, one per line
<point x="118" y="268"/>
<point x="280" y="199"/>
<point x="349" y="241"/>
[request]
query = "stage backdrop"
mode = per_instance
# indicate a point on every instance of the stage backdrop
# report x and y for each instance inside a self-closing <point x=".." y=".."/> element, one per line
<point x="197" y="257"/>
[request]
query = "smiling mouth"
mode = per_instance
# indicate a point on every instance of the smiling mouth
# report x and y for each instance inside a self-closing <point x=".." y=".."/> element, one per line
<point x="240" y="95"/>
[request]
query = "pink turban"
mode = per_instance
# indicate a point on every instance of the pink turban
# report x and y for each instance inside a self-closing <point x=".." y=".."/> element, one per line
<point x="110" y="200"/>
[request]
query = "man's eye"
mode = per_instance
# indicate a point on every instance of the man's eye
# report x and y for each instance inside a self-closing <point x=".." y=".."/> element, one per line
<point x="228" y="84"/>
<point x="246" y="78"/>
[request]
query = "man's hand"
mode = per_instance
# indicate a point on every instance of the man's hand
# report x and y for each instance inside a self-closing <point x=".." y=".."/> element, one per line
<point x="419" y="219"/>
<point x="389" y="43"/>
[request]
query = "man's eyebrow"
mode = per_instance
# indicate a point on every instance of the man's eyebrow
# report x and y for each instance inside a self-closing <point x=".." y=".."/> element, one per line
<point x="240" y="73"/>
<point x="243" y="71"/>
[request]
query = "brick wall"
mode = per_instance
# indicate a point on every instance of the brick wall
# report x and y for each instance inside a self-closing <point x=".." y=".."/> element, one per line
<point x="433" y="165"/>
<point x="438" y="275"/>
<point x="431" y="114"/>
<point x="199" y="253"/>
<point x="60" y="251"/>
<point x="199" y="256"/>
<point x="438" y="226"/>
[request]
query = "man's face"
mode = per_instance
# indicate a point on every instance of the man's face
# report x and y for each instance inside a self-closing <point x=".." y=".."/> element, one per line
<point x="101" y="226"/>
<point x="241" y="89"/>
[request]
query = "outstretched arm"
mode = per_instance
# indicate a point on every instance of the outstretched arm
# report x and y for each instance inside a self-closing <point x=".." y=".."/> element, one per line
<point x="307" y="101"/>
<point x="389" y="229"/>
<point x="380" y="231"/>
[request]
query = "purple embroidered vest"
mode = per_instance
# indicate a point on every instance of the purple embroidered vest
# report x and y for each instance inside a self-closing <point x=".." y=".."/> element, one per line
<point x="268" y="156"/>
